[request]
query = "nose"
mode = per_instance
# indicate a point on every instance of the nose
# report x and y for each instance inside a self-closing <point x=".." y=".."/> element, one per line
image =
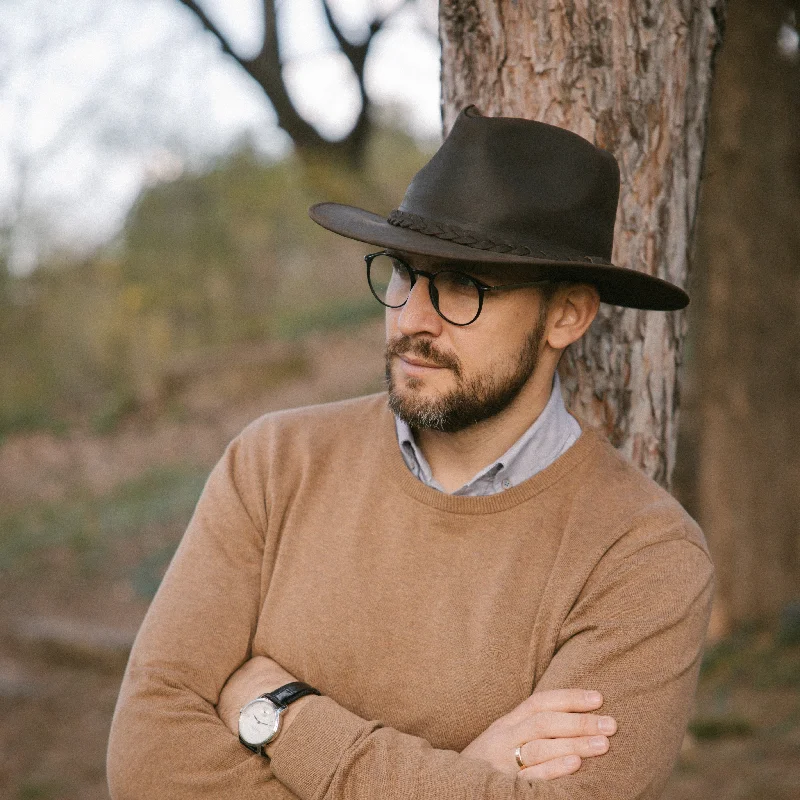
<point x="418" y="314"/>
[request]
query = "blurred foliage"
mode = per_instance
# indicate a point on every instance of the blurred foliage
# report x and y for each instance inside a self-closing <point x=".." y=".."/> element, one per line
<point x="39" y="790"/>
<point x="205" y="262"/>
<point x="82" y="529"/>
<point x="755" y="660"/>
<point x="755" y="655"/>
<point x="720" y="727"/>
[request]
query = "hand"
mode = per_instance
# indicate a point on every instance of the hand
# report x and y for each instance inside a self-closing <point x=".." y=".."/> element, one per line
<point x="554" y="730"/>
<point x="254" y="678"/>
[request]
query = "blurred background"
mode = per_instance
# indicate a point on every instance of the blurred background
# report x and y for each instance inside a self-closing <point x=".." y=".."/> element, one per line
<point x="161" y="286"/>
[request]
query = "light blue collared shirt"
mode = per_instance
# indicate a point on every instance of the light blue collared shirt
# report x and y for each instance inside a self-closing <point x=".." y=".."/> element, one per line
<point x="552" y="434"/>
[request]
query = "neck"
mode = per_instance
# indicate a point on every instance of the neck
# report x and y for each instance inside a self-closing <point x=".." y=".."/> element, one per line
<point x="455" y="458"/>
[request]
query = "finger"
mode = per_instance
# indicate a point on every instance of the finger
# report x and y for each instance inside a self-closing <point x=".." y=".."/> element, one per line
<point x="560" y="725"/>
<point x="560" y="700"/>
<point x="541" y="750"/>
<point x="556" y="768"/>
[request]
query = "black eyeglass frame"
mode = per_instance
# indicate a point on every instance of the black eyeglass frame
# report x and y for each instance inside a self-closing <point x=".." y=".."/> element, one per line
<point x="432" y="291"/>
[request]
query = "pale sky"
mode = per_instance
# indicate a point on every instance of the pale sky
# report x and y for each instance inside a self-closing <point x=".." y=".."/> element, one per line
<point x="98" y="97"/>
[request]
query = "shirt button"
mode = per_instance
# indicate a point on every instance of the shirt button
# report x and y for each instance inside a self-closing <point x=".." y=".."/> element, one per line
<point x="506" y="483"/>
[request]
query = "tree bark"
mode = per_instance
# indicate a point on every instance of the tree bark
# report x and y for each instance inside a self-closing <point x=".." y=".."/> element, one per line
<point x="747" y="370"/>
<point x="634" y="77"/>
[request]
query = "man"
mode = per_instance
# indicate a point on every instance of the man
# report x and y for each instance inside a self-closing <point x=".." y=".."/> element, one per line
<point x="458" y="593"/>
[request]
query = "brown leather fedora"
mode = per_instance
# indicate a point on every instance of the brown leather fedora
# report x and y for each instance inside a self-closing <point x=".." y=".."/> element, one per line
<point x="503" y="190"/>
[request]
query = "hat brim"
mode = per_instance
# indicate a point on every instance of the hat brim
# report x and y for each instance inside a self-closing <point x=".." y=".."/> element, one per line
<point x="616" y="285"/>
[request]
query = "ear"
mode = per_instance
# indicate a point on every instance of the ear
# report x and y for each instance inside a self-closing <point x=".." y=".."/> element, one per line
<point x="570" y="312"/>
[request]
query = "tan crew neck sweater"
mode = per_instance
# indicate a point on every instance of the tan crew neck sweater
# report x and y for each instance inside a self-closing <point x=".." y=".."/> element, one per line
<point x="422" y="617"/>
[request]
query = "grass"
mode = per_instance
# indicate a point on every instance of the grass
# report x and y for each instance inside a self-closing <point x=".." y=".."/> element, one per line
<point x="89" y="527"/>
<point x="761" y="658"/>
<point x="720" y="727"/>
<point x="39" y="790"/>
<point x="757" y="655"/>
<point x="29" y="419"/>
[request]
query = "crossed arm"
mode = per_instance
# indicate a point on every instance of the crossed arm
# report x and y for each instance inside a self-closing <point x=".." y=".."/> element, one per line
<point x="169" y="741"/>
<point x="555" y="728"/>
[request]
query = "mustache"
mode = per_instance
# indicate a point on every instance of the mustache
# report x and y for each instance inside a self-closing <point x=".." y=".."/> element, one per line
<point x="423" y="348"/>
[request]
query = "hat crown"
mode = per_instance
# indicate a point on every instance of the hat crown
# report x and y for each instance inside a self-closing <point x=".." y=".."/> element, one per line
<point x="522" y="182"/>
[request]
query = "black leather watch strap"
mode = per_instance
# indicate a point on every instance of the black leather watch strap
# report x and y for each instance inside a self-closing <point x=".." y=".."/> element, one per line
<point x="290" y="692"/>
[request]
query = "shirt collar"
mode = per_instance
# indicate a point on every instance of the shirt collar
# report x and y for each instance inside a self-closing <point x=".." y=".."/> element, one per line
<point x="552" y="433"/>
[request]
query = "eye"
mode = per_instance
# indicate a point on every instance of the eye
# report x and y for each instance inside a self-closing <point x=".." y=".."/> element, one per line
<point x="458" y="282"/>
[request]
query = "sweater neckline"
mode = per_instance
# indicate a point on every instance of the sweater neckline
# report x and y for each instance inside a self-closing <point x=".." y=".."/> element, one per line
<point x="488" y="504"/>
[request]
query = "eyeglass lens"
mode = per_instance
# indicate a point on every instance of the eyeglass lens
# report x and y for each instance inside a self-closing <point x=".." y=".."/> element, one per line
<point x="455" y="295"/>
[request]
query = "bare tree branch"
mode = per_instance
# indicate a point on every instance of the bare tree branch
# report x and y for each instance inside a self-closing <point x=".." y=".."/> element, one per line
<point x="356" y="53"/>
<point x="211" y="28"/>
<point x="266" y="69"/>
<point x="348" y="48"/>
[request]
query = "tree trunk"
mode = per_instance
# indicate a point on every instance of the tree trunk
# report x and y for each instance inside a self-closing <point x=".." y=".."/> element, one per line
<point x="747" y="371"/>
<point x="634" y="77"/>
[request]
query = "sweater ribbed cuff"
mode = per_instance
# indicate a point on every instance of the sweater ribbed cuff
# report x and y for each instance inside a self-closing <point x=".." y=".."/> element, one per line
<point x="308" y="752"/>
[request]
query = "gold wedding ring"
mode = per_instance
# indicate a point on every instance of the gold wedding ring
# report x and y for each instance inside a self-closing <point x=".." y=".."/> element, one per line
<point x="518" y="756"/>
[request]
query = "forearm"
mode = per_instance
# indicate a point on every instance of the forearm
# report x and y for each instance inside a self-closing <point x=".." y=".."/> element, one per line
<point x="545" y="737"/>
<point x="641" y="651"/>
<point x="167" y="742"/>
<point x="329" y="752"/>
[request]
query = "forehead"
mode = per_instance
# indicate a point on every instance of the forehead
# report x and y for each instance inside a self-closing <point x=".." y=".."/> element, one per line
<point x="488" y="272"/>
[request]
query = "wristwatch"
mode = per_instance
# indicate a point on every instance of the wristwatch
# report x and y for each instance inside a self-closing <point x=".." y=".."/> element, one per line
<point x="260" y="719"/>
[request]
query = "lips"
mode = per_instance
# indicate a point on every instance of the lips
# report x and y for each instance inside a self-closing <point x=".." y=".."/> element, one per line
<point x="416" y="362"/>
<point x="421" y="353"/>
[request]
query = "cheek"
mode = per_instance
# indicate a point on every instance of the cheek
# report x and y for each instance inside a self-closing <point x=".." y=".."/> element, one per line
<point x="478" y="356"/>
<point x="506" y="327"/>
<point x="390" y="324"/>
<point x="493" y="356"/>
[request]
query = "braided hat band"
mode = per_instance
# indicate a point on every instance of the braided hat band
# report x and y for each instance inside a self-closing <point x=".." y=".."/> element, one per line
<point x="452" y="233"/>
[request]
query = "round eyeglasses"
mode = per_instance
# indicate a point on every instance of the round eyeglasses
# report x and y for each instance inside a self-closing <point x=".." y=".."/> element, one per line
<point x="456" y="296"/>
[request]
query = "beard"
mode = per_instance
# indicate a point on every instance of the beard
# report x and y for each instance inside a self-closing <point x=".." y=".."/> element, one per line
<point x="474" y="398"/>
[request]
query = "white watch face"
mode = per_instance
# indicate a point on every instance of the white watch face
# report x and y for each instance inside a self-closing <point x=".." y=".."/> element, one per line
<point x="258" y="721"/>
